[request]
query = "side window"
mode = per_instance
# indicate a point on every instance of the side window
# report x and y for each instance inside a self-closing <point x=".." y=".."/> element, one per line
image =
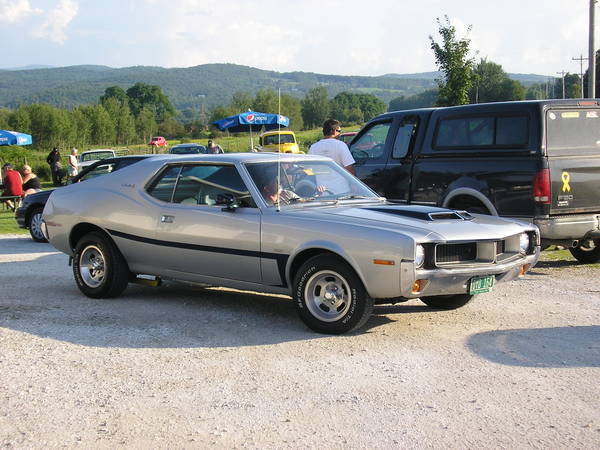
<point x="512" y="131"/>
<point x="162" y="188"/>
<point x="371" y="143"/>
<point x="406" y="131"/>
<point x="211" y="185"/>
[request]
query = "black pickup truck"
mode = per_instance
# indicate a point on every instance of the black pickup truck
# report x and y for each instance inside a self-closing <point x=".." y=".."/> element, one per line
<point x="537" y="161"/>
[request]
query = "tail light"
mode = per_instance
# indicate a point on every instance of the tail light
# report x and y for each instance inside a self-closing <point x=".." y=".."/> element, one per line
<point x="541" y="186"/>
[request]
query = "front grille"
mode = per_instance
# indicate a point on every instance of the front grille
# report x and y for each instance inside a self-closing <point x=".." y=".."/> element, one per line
<point x="455" y="253"/>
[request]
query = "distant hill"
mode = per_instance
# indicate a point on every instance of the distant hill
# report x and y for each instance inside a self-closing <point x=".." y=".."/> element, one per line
<point x="211" y="84"/>
<point x="525" y="78"/>
<point x="29" y="67"/>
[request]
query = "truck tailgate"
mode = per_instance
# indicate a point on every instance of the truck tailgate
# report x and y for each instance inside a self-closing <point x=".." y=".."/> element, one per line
<point x="575" y="184"/>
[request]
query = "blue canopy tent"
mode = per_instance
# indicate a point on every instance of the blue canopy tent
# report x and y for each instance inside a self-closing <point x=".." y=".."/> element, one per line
<point x="251" y="121"/>
<point x="14" y="138"/>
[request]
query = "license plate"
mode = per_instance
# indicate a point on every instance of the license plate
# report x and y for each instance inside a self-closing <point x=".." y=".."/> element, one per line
<point x="479" y="285"/>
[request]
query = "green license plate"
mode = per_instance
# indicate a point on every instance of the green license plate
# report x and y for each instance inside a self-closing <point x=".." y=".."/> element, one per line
<point x="479" y="285"/>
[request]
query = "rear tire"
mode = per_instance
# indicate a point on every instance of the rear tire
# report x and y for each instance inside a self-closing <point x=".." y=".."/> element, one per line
<point x="99" y="269"/>
<point x="330" y="298"/>
<point x="587" y="254"/>
<point x="35" y="225"/>
<point x="447" y="301"/>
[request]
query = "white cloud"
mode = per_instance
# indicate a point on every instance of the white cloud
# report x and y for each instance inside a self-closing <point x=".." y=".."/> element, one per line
<point x="15" y="10"/>
<point x="57" y="20"/>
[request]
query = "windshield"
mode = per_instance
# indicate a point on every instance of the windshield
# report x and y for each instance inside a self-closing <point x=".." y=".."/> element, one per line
<point x="305" y="181"/>
<point x="96" y="155"/>
<point x="573" y="132"/>
<point x="275" y="139"/>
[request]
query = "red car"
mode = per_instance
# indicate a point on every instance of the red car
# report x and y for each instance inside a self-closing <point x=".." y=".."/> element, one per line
<point x="347" y="137"/>
<point x="158" y="141"/>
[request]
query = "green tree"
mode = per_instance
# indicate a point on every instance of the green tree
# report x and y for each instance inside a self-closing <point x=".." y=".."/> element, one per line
<point x="171" y="128"/>
<point x="241" y="101"/>
<point x="142" y="95"/>
<point x="266" y="101"/>
<point x="424" y="99"/>
<point x="292" y="108"/>
<point x="492" y="84"/>
<point x="4" y="118"/>
<point x="19" y="120"/>
<point x="451" y="57"/>
<point x="145" y="124"/>
<point x="114" y="92"/>
<point x="102" y="128"/>
<point x="572" y="85"/>
<point x="83" y="127"/>
<point x="315" y="107"/>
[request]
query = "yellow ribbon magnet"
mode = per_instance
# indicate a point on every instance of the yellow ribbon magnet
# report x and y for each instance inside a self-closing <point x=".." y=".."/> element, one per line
<point x="565" y="179"/>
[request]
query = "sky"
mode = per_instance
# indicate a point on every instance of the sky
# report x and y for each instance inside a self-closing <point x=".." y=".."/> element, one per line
<point x="341" y="37"/>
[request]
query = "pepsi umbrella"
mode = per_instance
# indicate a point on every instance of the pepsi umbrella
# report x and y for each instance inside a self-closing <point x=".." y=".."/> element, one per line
<point x="14" y="138"/>
<point x="252" y="121"/>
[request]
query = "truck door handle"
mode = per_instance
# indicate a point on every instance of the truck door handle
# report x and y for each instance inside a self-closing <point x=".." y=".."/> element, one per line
<point x="167" y="219"/>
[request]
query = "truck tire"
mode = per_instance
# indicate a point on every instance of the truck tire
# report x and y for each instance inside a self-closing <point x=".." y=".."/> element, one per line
<point x="587" y="254"/>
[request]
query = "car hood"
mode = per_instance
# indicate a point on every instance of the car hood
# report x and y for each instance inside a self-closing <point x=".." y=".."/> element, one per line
<point x="418" y="221"/>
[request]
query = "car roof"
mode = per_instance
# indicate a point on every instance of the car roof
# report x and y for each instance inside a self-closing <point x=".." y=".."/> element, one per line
<point x="268" y="133"/>
<point x="241" y="157"/>
<point x="190" y="144"/>
<point x="99" y="150"/>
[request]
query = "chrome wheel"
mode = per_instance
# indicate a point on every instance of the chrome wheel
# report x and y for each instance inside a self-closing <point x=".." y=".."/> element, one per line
<point x="91" y="266"/>
<point x="327" y="295"/>
<point x="35" y="227"/>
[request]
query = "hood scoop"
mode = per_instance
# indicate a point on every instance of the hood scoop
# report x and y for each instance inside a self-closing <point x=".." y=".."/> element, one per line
<point x="429" y="215"/>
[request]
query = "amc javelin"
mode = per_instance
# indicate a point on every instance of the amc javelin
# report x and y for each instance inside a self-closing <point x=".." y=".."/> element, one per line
<point x="292" y="224"/>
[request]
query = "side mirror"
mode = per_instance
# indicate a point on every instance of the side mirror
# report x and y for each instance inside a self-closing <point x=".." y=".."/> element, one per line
<point x="228" y="200"/>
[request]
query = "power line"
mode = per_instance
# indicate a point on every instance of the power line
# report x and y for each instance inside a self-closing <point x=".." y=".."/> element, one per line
<point x="581" y="59"/>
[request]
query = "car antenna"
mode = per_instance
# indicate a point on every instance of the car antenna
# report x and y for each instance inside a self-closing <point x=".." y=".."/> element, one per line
<point x="278" y="148"/>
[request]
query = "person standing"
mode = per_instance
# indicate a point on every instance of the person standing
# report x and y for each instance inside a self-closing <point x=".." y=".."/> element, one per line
<point x="53" y="160"/>
<point x="12" y="184"/>
<point x="332" y="147"/>
<point x="214" y="148"/>
<point x="72" y="169"/>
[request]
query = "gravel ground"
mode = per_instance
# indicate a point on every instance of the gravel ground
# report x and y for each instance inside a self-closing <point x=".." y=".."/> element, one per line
<point x="186" y="367"/>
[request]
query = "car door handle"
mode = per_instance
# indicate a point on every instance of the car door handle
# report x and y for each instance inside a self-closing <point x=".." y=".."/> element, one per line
<point x="167" y="219"/>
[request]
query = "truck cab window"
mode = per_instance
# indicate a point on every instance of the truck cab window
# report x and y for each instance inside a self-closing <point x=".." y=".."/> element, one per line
<point x="371" y="143"/>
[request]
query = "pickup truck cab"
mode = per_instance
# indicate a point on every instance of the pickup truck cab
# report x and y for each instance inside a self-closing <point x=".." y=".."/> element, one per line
<point x="537" y="161"/>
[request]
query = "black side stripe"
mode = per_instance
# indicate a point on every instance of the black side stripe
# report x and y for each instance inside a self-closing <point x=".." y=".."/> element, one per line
<point x="279" y="257"/>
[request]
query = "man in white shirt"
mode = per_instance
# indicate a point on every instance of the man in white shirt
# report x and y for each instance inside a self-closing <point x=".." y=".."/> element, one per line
<point x="332" y="147"/>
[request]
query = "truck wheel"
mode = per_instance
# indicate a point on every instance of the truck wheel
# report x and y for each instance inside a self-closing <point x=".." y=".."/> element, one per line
<point x="587" y="253"/>
<point x="329" y="296"/>
<point x="35" y="225"/>
<point x="99" y="269"/>
<point x="447" y="301"/>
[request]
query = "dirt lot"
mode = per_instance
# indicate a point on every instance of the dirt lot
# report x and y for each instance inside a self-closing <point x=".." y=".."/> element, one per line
<point x="186" y="367"/>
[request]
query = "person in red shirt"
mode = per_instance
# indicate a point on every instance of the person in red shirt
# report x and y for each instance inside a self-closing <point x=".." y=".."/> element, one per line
<point x="12" y="184"/>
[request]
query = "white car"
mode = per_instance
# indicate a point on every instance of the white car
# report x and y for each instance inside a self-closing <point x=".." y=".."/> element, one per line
<point x="91" y="156"/>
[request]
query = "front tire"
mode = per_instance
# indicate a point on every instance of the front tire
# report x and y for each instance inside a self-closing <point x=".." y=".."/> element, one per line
<point x="447" y="301"/>
<point x="330" y="298"/>
<point x="99" y="269"/>
<point x="35" y="225"/>
<point x="587" y="254"/>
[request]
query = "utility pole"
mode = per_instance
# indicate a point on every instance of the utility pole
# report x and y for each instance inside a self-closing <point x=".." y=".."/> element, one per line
<point x="592" y="54"/>
<point x="580" y="59"/>
<point x="563" y="73"/>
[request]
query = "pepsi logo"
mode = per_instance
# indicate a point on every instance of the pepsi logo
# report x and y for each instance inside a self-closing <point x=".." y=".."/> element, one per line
<point x="250" y="117"/>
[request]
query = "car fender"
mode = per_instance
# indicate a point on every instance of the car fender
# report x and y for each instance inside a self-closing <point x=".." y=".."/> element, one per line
<point x="470" y="192"/>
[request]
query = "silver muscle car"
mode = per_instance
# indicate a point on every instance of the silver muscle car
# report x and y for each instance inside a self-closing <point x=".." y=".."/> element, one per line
<point x="292" y="224"/>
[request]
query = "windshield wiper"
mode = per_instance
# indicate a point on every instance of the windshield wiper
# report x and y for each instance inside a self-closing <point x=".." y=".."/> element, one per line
<point x="356" y="197"/>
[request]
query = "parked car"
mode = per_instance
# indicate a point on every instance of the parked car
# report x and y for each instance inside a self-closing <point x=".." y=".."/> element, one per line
<point x="347" y="137"/>
<point x="278" y="141"/>
<point x="91" y="156"/>
<point x="537" y="161"/>
<point x="29" y="214"/>
<point x="328" y="241"/>
<point x="185" y="149"/>
<point x="158" y="141"/>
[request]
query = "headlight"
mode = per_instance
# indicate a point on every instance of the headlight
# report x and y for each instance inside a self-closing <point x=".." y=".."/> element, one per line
<point x="524" y="242"/>
<point x="419" y="255"/>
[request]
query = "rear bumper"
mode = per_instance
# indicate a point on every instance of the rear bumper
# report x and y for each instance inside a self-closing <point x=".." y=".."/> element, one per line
<point x="576" y="226"/>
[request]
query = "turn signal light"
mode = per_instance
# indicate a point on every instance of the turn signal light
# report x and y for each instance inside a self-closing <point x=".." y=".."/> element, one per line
<point x="418" y="286"/>
<point x="524" y="269"/>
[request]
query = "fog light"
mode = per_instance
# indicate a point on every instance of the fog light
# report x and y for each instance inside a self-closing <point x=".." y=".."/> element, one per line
<point x="524" y="269"/>
<point x="418" y="286"/>
<point x="524" y="242"/>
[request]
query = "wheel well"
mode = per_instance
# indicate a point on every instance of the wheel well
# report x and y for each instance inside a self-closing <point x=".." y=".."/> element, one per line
<point x="30" y="211"/>
<point x="465" y="202"/>
<point x="305" y="255"/>
<point x="81" y="230"/>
